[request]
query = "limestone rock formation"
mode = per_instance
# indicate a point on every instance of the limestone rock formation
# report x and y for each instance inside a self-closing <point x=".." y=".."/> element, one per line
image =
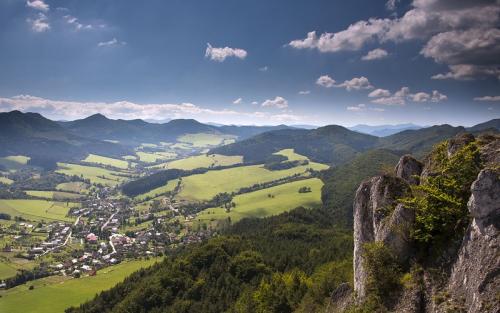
<point x="409" y="169"/>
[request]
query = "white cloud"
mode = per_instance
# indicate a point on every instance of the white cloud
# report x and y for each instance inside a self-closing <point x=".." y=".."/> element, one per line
<point x="462" y="34"/>
<point x="40" y="24"/>
<point x="379" y="93"/>
<point x="76" y="24"/>
<point x="238" y="101"/>
<point x="70" y="110"/>
<point x="357" y="108"/>
<point x="38" y="5"/>
<point x="220" y="54"/>
<point x="375" y="54"/>
<point x="304" y="92"/>
<point x="400" y="97"/>
<point x="255" y="102"/>
<point x="487" y="98"/>
<point x="264" y="69"/>
<point x="111" y="43"/>
<point x="326" y="81"/>
<point x="391" y="4"/>
<point x="357" y="83"/>
<point x="278" y="102"/>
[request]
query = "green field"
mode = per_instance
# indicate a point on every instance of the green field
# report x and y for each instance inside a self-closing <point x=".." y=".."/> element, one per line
<point x="203" y="160"/>
<point x="96" y="175"/>
<point x="14" y="162"/>
<point x="259" y="204"/>
<point x="37" y="209"/>
<point x="55" y="294"/>
<point x="78" y="187"/>
<point x="6" y="271"/>
<point x="201" y="140"/>
<point x="170" y="186"/>
<point x="153" y="157"/>
<point x="205" y="186"/>
<point x="93" y="158"/>
<point x="5" y="180"/>
<point x="56" y="195"/>
<point x="291" y="155"/>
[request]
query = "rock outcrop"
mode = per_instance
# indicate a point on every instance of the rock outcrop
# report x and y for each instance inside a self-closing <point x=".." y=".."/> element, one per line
<point x="475" y="275"/>
<point x="472" y="278"/>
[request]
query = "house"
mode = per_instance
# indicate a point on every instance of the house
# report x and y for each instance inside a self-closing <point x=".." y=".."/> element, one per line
<point x="91" y="238"/>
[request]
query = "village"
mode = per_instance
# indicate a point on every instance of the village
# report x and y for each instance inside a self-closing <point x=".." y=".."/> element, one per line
<point x="106" y="231"/>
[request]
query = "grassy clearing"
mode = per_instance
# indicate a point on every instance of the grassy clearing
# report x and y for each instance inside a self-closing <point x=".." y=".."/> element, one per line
<point x="170" y="186"/>
<point x="96" y="175"/>
<point x="152" y="157"/>
<point x="259" y="204"/>
<point x="14" y="162"/>
<point x="56" y="195"/>
<point x="203" y="160"/>
<point x="55" y="294"/>
<point x="201" y="140"/>
<point x="129" y="157"/>
<point x="291" y="155"/>
<point x="205" y="186"/>
<point x="6" y="270"/>
<point x="93" y="158"/>
<point x="78" y="187"/>
<point x="37" y="209"/>
<point x="6" y="181"/>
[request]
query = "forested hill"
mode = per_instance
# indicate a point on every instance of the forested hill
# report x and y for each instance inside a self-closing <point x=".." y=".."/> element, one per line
<point x="286" y="263"/>
<point x="33" y="135"/>
<point x="329" y="144"/>
<point x="337" y="145"/>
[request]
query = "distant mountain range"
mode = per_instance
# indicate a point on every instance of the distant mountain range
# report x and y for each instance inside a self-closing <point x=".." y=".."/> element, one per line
<point x="32" y="134"/>
<point x="383" y="130"/>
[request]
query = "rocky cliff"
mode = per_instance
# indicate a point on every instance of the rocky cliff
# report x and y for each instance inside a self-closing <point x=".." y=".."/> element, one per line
<point x="426" y="239"/>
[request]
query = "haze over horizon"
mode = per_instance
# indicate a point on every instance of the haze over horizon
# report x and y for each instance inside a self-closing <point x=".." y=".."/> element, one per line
<point x="318" y="62"/>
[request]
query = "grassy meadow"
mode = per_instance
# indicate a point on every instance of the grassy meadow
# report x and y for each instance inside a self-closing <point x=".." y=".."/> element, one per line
<point x="170" y="186"/>
<point x="55" y="294"/>
<point x="204" y="160"/>
<point x="14" y="162"/>
<point x="55" y="195"/>
<point x="204" y="139"/>
<point x="207" y="185"/>
<point x="37" y="209"/>
<point x="153" y="157"/>
<point x="6" y="181"/>
<point x="93" y="158"/>
<point x="78" y="187"/>
<point x="269" y="201"/>
<point x="96" y="175"/>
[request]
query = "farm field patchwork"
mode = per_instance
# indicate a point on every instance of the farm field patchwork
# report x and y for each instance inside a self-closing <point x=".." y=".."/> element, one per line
<point x="37" y="209"/>
<point x="269" y="201"/>
<point x="94" y="174"/>
<point x="152" y="157"/>
<point x="5" y="180"/>
<point x="55" y="294"/>
<point x="56" y="195"/>
<point x="93" y="158"/>
<point x="201" y="140"/>
<point x="14" y="162"/>
<point x="212" y="160"/>
<point x="291" y="155"/>
<point x="207" y="185"/>
<point x="78" y="187"/>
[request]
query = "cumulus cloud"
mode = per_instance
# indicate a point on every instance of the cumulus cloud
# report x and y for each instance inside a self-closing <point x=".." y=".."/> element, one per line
<point x="325" y="81"/>
<point x="400" y="97"/>
<point x="375" y="54"/>
<point x="264" y="69"/>
<point x="379" y="93"/>
<point x="462" y="34"/>
<point x="76" y="24"/>
<point x="277" y="102"/>
<point x="38" y="5"/>
<point x="111" y="43"/>
<point x="357" y="108"/>
<point x="220" y="54"/>
<point x="39" y="24"/>
<point x="357" y="83"/>
<point x="487" y="98"/>
<point x="70" y="110"/>
<point x="304" y="92"/>
<point x="238" y="101"/>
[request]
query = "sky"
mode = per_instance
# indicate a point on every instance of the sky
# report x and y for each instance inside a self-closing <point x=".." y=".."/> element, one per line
<point x="258" y="62"/>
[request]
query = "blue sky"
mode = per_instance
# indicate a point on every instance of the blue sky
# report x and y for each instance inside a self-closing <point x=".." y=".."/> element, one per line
<point x="374" y="62"/>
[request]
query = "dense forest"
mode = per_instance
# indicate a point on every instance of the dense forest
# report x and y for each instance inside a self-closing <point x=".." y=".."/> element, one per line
<point x="286" y="263"/>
